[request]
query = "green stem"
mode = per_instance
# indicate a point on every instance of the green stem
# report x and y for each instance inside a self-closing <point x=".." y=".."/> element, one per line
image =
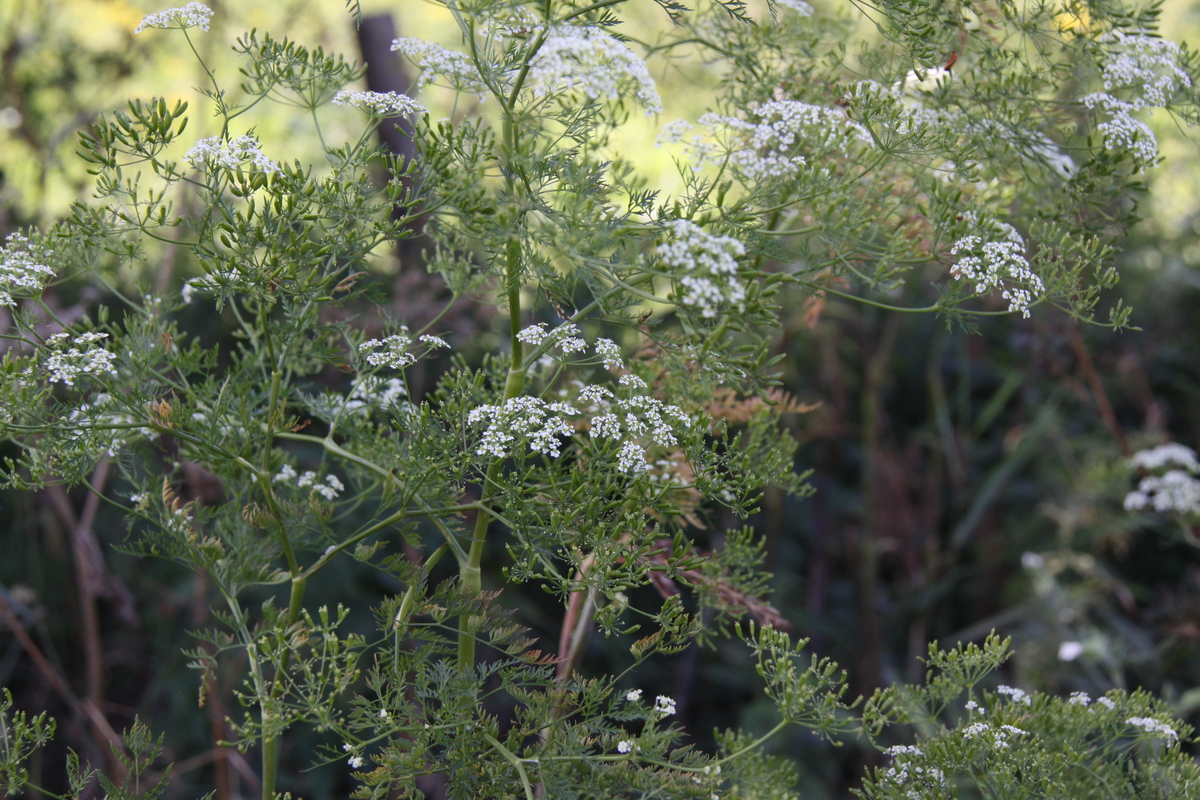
<point x="270" y="738"/>
<point x="511" y="757"/>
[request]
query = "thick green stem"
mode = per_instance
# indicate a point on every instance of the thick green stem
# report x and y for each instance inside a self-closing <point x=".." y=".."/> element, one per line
<point x="469" y="573"/>
<point x="271" y="728"/>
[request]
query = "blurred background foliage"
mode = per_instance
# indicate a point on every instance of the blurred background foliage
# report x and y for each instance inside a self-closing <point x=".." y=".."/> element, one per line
<point x="965" y="481"/>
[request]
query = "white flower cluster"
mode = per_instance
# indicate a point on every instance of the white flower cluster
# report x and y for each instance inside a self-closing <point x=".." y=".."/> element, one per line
<point x="1151" y="725"/>
<point x="434" y="342"/>
<point x="371" y="391"/>
<point x="973" y="706"/>
<point x="799" y="6"/>
<point x="1166" y="455"/>
<point x="65" y="366"/>
<point x="709" y="265"/>
<point x="1148" y="66"/>
<point x="664" y="705"/>
<point x="435" y="60"/>
<point x="233" y="154"/>
<point x="1080" y="699"/>
<point x="769" y="147"/>
<point x="21" y="269"/>
<point x="625" y="746"/>
<point x="390" y="352"/>
<point x="1106" y="702"/>
<point x="193" y="15"/>
<point x="380" y="104"/>
<point x="565" y="337"/>
<point x="1122" y="131"/>
<point x="1143" y="62"/>
<point x="528" y="418"/>
<point x="330" y="489"/>
<point x="999" y="736"/>
<point x="1175" y="490"/>
<point x="1017" y="695"/>
<point x="1070" y="650"/>
<point x="610" y="353"/>
<point x="633" y="695"/>
<point x="903" y="750"/>
<point x="632" y="419"/>
<point x="995" y="260"/>
<point x="191" y="285"/>
<point x="918" y="781"/>
<point x="592" y="61"/>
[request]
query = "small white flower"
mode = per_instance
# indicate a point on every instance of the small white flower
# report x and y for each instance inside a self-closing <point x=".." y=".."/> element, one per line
<point x="629" y="379"/>
<point x="530" y="418"/>
<point x="1069" y="651"/>
<point x="433" y="341"/>
<point x="633" y="695"/>
<point x="776" y="146"/>
<point x="1145" y="63"/>
<point x="193" y="15"/>
<point x="137" y="499"/>
<point x="383" y="713"/>
<point x="673" y="132"/>
<point x="903" y="750"/>
<point x="1174" y="491"/>
<point x="591" y="61"/>
<point x="347" y="747"/>
<point x="975" y="730"/>
<point x="21" y="269"/>
<point x="595" y="394"/>
<point x="973" y="706"/>
<point x="307" y="479"/>
<point x="1106" y="702"/>
<point x="1122" y="131"/>
<point x="707" y="267"/>
<point x="1080" y="699"/>
<point x="434" y="60"/>
<point x="534" y="334"/>
<point x="390" y="352"/>
<point x="330" y="489"/>
<point x="233" y="154"/>
<point x="1017" y="695"/>
<point x="382" y="104"/>
<point x="64" y="366"/>
<point x="566" y="337"/>
<point x="610" y="353"/>
<point x="1151" y="725"/>
<point x="355" y="762"/>
<point x="632" y="458"/>
<point x="286" y="473"/>
<point x="1165" y="455"/>
<point x="624" y="746"/>
<point x="664" y="705"/>
<point x="995" y="260"/>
